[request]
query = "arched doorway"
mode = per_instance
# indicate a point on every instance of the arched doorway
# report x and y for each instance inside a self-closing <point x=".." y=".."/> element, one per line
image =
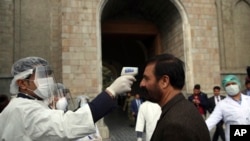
<point x="134" y="30"/>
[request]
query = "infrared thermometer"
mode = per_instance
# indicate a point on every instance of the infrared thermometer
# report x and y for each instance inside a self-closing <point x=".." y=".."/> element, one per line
<point x="129" y="71"/>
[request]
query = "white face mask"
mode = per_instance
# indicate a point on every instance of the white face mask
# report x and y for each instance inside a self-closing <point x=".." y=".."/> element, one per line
<point x="62" y="104"/>
<point x="45" y="87"/>
<point x="232" y="90"/>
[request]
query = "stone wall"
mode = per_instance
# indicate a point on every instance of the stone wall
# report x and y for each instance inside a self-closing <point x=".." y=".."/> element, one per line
<point x="234" y="32"/>
<point x="67" y="33"/>
<point x="37" y="31"/>
<point x="6" y="43"/>
<point x="81" y="55"/>
<point x="172" y="34"/>
<point x="204" y="38"/>
<point x="29" y="28"/>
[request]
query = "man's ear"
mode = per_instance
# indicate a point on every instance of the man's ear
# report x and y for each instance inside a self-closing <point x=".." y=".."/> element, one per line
<point x="164" y="81"/>
<point x="21" y="84"/>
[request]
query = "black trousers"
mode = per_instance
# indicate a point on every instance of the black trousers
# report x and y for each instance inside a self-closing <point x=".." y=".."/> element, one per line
<point x="219" y="131"/>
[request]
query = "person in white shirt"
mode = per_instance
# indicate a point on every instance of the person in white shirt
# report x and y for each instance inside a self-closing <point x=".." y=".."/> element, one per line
<point x="148" y="115"/>
<point x="233" y="110"/>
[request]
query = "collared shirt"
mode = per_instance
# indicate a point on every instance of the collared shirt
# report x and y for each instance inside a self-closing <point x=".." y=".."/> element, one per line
<point x="138" y="102"/>
<point x="217" y="99"/>
<point x="238" y="101"/>
<point x="248" y="92"/>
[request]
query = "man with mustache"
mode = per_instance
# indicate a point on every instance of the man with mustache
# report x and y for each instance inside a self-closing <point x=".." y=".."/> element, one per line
<point x="163" y="80"/>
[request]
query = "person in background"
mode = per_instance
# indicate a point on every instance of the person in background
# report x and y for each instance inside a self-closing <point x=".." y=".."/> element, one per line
<point x="200" y="100"/>
<point x="162" y="83"/>
<point x="233" y="110"/>
<point x="135" y="105"/>
<point x="62" y="99"/>
<point x="147" y="117"/>
<point x="4" y="100"/>
<point x="28" y="117"/>
<point x="212" y="102"/>
<point x="246" y="91"/>
<point x="126" y="107"/>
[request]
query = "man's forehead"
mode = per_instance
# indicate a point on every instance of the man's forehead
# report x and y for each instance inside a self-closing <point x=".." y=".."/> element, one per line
<point x="149" y="70"/>
<point x="150" y="67"/>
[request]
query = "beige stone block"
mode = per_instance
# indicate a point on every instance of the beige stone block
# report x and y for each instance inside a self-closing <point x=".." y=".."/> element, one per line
<point x="75" y="3"/>
<point x="66" y="69"/>
<point x="65" y="42"/>
<point x="74" y="62"/>
<point x="67" y="28"/>
<point x="65" y="56"/>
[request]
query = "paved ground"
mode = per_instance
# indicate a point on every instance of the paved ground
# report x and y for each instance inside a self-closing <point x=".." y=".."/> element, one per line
<point x="118" y="125"/>
<point x="120" y="130"/>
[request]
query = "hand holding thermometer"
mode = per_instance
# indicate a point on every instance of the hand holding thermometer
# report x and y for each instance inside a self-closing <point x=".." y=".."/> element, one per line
<point x="123" y="83"/>
<point x="129" y="71"/>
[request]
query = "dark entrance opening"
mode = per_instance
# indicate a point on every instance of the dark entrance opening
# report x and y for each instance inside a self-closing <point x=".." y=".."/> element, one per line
<point x="128" y="43"/>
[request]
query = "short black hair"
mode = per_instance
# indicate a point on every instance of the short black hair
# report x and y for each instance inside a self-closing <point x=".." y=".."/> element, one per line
<point x="216" y="87"/>
<point x="173" y="67"/>
<point x="197" y="86"/>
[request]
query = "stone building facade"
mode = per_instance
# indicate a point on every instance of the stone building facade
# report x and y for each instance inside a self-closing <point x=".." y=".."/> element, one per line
<point x="82" y="38"/>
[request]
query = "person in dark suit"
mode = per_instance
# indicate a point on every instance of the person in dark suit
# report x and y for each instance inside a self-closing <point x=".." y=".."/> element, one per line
<point x="135" y="104"/>
<point x="162" y="83"/>
<point x="212" y="101"/>
<point x="246" y="91"/>
<point x="200" y="100"/>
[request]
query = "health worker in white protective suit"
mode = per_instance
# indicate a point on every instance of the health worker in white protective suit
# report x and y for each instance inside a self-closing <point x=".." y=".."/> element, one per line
<point x="233" y="110"/>
<point x="62" y="99"/>
<point x="29" y="118"/>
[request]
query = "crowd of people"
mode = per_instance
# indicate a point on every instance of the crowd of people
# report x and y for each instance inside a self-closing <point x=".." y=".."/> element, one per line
<point x="232" y="109"/>
<point x="40" y="108"/>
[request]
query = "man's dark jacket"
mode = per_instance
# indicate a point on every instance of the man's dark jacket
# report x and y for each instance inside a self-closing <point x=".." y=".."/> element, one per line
<point x="180" y="121"/>
<point x="211" y="103"/>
